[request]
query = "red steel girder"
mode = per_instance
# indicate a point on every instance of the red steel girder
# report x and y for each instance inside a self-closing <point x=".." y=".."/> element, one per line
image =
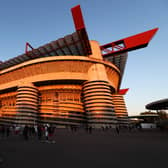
<point x="128" y="44"/>
<point x="77" y="17"/>
<point x="27" y="47"/>
<point x="123" y="91"/>
<point x="80" y="28"/>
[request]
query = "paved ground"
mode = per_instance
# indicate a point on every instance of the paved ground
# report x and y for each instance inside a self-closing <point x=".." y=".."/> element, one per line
<point x="80" y="149"/>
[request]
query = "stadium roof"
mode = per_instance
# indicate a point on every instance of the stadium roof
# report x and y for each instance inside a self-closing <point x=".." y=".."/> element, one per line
<point x="158" y="105"/>
<point x="76" y="43"/>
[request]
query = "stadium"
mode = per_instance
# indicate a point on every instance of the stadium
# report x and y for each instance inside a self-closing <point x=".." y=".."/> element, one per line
<point x="69" y="81"/>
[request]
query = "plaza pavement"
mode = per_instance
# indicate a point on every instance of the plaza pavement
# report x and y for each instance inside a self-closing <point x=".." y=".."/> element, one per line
<point x="144" y="149"/>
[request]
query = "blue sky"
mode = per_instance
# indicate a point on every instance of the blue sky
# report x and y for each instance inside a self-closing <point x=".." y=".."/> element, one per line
<point x="42" y="21"/>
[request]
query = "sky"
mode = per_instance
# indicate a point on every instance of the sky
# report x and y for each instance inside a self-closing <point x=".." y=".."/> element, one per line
<point x="41" y="21"/>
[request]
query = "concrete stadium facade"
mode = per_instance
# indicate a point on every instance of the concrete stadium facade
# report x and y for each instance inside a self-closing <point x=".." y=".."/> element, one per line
<point x="78" y="86"/>
<point x="60" y="90"/>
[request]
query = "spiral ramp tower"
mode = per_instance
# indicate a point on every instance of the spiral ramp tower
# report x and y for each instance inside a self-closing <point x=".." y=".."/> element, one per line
<point x="98" y="103"/>
<point x="27" y="104"/>
<point x="120" y="106"/>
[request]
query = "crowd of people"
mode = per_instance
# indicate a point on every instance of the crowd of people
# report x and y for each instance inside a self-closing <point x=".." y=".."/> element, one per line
<point x="46" y="132"/>
<point x="42" y="132"/>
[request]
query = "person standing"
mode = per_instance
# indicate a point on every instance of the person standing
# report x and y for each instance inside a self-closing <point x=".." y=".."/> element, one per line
<point x="3" y="131"/>
<point x="90" y="129"/>
<point x="39" y="132"/>
<point x="25" y="132"/>
<point x="117" y="129"/>
<point x="7" y="131"/>
<point x="46" y="132"/>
